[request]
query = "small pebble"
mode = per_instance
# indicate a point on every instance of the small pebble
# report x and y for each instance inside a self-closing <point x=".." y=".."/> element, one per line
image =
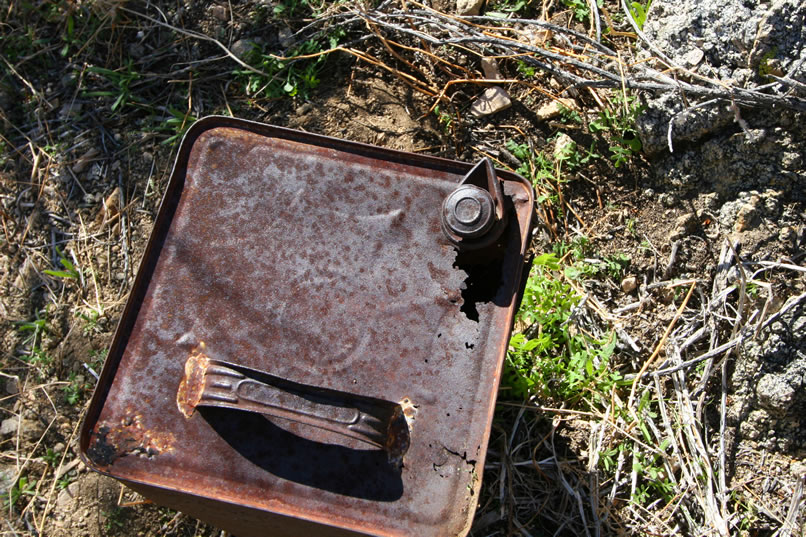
<point x="490" y="68"/>
<point x="629" y="284"/>
<point x="491" y="101"/>
<point x="12" y="386"/>
<point x="468" y="7"/>
<point x="84" y="160"/>
<point x="787" y="235"/>
<point x="219" y="12"/>
<point x="553" y="108"/>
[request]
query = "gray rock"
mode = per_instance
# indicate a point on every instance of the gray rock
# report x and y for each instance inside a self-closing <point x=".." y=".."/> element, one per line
<point x="12" y="386"/>
<point x="768" y="382"/>
<point x="775" y="394"/>
<point x="685" y="224"/>
<point x="219" y="12"/>
<point x="490" y="68"/>
<point x="243" y="47"/>
<point x="29" y="429"/>
<point x="8" y="427"/>
<point x="755" y="426"/>
<point x="749" y="210"/>
<point x="468" y="7"/>
<point x="70" y="109"/>
<point x="67" y="496"/>
<point x="85" y="160"/>
<point x="284" y="37"/>
<point x="563" y="145"/>
<point x="7" y="475"/>
<point x="735" y="41"/>
<point x="491" y="101"/>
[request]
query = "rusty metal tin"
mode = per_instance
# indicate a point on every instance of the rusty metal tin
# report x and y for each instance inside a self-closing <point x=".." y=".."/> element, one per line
<point x="322" y="263"/>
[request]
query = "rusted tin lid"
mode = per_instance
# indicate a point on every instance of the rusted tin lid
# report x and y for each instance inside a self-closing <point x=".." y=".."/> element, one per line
<point x="299" y="309"/>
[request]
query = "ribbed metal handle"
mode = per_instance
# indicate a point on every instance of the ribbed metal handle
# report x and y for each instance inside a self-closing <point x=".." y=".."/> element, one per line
<point x="217" y="383"/>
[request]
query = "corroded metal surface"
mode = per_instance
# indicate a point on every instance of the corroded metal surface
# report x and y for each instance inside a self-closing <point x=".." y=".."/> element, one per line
<point x="217" y="383"/>
<point x="322" y="262"/>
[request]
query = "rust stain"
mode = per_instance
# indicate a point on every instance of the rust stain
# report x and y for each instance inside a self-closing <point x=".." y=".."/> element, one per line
<point x="398" y="438"/>
<point x="192" y="385"/>
<point x="128" y="436"/>
<point x="399" y="430"/>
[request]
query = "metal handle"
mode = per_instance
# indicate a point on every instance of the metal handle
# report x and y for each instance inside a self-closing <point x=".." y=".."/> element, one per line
<point x="216" y="383"/>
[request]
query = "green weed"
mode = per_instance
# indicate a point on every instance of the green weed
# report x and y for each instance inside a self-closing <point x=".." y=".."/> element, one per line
<point x="176" y="125"/>
<point x="536" y="167"/>
<point x="115" y="519"/>
<point x="549" y="358"/>
<point x="296" y="8"/>
<point x="580" y="9"/>
<point x="764" y="68"/>
<point x="64" y="482"/>
<point x="21" y="489"/>
<point x="613" y="266"/>
<point x="503" y="8"/>
<point x="51" y="458"/>
<point x="573" y="159"/>
<point x="445" y="120"/>
<point x="121" y="80"/>
<point x="286" y="77"/>
<point x="526" y="70"/>
<point x="75" y="389"/>
<point x="569" y="115"/>
<point x="34" y="331"/>
<point x="620" y="123"/>
<point x="639" y="12"/>
<point x="90" y="316"/>
<point x="70" y="271"/>
<point x="97" y="359"/>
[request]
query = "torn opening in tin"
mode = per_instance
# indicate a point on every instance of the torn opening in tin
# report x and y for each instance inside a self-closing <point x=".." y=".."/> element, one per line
<point x="209" y="382"/>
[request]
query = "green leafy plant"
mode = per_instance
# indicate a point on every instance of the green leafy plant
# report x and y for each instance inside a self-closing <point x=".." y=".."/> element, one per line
<point x="639" y="12"/>
<point x="536" y="167"/>
<point x="51" y="458"/>
<point x="90" y="316"/>
<point x="70" y="271"/>
<point x="286" y="77"/>
<point x="616" y="264"/>
<point x="75" y="389"/>
<point x="569" y="115"/>
<point x="21" y="489"/>
<point x="176" y="124"/>
<point x="612" y="266"/>
<point x="764" y="67"/>
<point x="620" y="123"/>
<point x="548" y="358"/>
<point x="526" y="70"/>
<point x="115" y="519"/>
<point x="122" y="80"/>
<point x="64" y="481"/>
<point x="503" y="8"/>
<point x="97" y="359"/>
<point x="571" y="156"/>
<point x="580" y="9"/>
<point x="445" y="120"/>
<point x="32" y="342"/>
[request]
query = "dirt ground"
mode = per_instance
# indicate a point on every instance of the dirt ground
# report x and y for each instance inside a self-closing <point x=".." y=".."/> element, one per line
<point x="82" y="183"/>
